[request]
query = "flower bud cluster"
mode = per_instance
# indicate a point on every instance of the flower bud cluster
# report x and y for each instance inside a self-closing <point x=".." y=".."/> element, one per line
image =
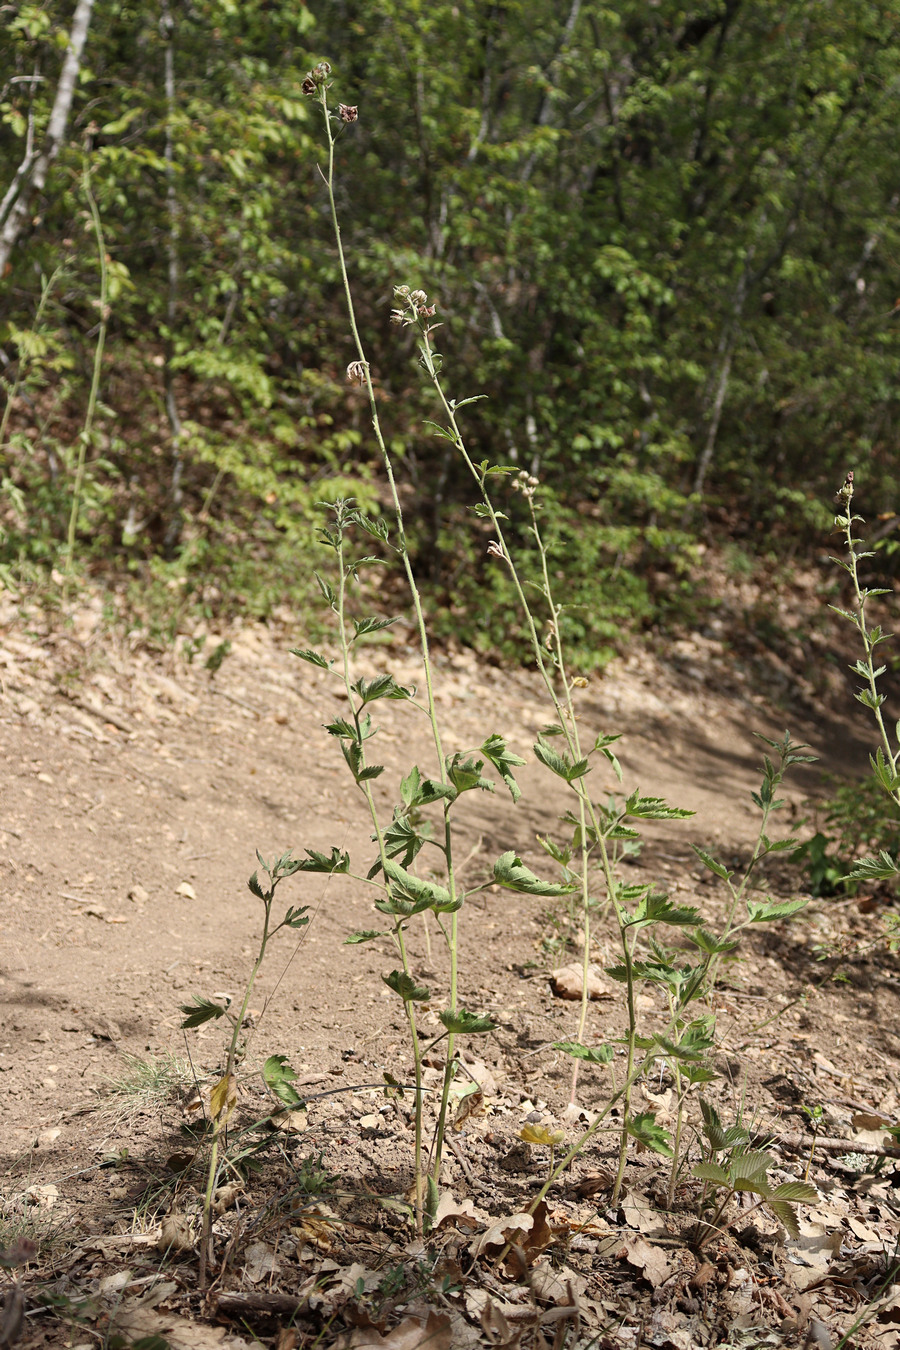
<point x="526" y="483"/>
<point x="416" y="306"/>
<point x="315" y="79"/>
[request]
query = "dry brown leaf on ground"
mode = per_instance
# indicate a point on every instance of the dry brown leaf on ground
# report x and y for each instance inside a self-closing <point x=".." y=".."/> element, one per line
<point x="136" y="1321"/>
<point x="651" y="1261"/>
<point x="496" y="1328"/>
<point x="810" y="1256"/>
<point x="433" y="1334"/>
<point x="531" y="1233"/>
<point x="260" y="1262"/>
<point x="567" y="982"/>
<point x="462" y="1212"/>
<point x="175" y="1234"/>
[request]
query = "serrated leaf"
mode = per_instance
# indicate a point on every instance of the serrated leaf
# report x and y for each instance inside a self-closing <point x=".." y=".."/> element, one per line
<point x="326" y="589"/>
<point x="709" y="944"/>
<point x="870" y="868"/>
<point x="750" y="1166"/>
<point x="365" y="626"/>
<point x="755" y="1185"/>
<point x="645" y="1130"/>
<point x="409" y="887"/>
<point x="698" y="1073"/>
<point x="655" y="907"/>
<point x="278" y="1076"/>
<point x="315" y="861"/>
<point x="561" y="765"/>
<point x="786" y="1216"/>
<point x="255" y="887"/>
<point x="364" y="935"/>
<point x="369" y="772"/>
<point x="464" y="773"/>
<point x="402" y="841"/>
<point x="410" y="786"/>
<point x="711" y="863"/>
<point x="712" y="1125"/>
<point x="511" y="872"/>
<point x="550" y="759"/>
<point x="314" y="658"/>
<point x="763" y="911"/>
<point x="406" y="987"/>
<point x="593" y="1054"/>
<point x="296" y="917"/>
<point x="341" y="728"/>
<point x="709" y="1171"/>
<point x="653" y="808"/>
<point x="466" y="1023"/>
<point x="199" y="1011"/>
<point x="378" y="687"/>
<point x="797" y="1192"/>
<point x="504" y="761"/>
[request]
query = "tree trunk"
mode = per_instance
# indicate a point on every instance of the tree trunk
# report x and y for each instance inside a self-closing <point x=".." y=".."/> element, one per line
<point x="32" y="173"/>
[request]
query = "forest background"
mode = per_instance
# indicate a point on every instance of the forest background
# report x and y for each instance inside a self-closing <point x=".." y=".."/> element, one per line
<point x="663" y="240"/>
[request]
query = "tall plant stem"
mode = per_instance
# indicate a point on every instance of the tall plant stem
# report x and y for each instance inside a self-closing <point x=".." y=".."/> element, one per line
<point x="84" y="438"/>
<point x="567" y="720"/>
<point x="221" y="1118"/>
<point x="421" y="627"/>
<point x="408" y="1005"/>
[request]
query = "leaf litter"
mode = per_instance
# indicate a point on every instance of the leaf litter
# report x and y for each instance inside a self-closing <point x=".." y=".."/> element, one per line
<point x="116" y="1231"/>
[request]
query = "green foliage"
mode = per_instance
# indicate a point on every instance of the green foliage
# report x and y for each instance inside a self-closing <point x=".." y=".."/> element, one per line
<point x="662" y="239"/>
<point x="855" y="819"/>
<point x="743" y="1168"/>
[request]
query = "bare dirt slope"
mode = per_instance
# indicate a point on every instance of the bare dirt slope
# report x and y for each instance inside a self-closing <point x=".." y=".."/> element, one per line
<point x="136" y="789"/>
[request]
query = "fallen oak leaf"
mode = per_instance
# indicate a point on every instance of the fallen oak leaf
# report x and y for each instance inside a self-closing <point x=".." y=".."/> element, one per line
<point x="650" y="1261"/>
<point x="411" y="1334"/>
<point x="530" y="1233"/>
<point x="462" y="1212"/>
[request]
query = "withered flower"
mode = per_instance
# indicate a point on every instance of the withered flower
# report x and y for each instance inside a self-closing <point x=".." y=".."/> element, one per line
<point x="347" y="114"/>
<point x="356" y="372"/>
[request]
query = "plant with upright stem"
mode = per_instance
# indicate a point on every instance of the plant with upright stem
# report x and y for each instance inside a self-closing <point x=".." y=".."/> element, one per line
<point x="885" y="762"/>
<point x="224" y="1096"/>
<point x="599" y="831"/>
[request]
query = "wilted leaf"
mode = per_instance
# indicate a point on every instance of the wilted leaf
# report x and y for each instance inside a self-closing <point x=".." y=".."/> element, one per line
<point x="12" y="1314"/>
<point x="870" y="1120"/>
<point x="539" y="1134"/>
<point x="223" y="1098"/>
<point x="471" y="1105"/>
<point x="260" y="1262"/>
